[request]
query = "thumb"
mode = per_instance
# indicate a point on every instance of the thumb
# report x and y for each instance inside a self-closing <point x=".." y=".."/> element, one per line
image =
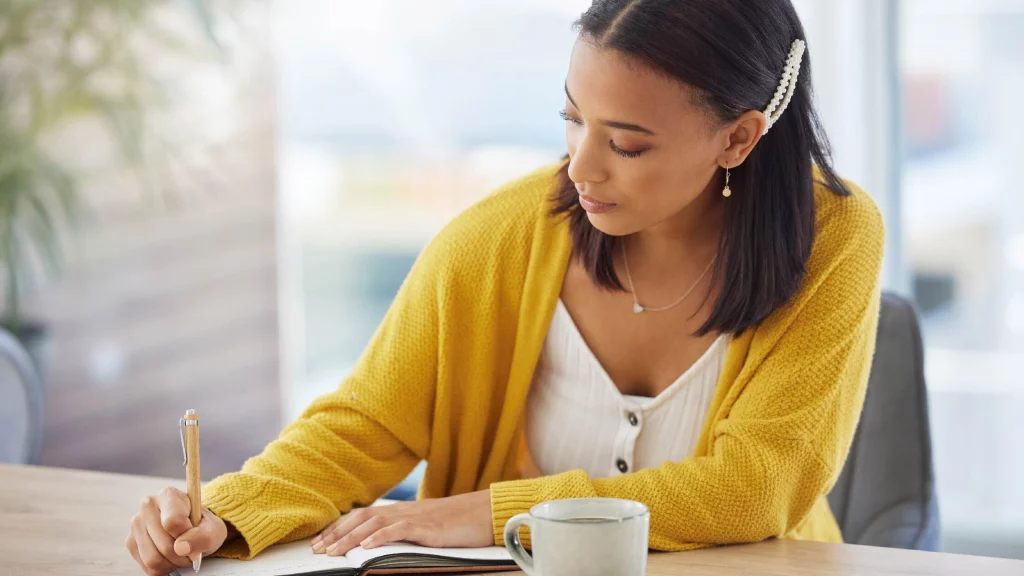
<point x="205" y="538"/>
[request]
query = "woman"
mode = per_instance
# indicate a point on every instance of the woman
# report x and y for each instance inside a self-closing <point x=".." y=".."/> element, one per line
<point x="682" y="312"/>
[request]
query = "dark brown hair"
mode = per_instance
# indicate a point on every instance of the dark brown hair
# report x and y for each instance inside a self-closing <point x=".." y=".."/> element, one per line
<point x="732" y="52"/>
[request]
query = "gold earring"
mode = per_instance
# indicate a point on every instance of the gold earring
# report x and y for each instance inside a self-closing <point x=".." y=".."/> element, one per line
<point x="728" y="191"/>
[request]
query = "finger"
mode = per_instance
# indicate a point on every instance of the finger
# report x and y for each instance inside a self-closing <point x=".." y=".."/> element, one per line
<point x="161" y="539"/>
<point x="341" y="527"/>
<point x="357" y="535"/>
<point x="199" y="540"/>
<point x="337" y="529"/>
<point x="406" y="531"/>
<point x="133" y="549"/>
<point x="149" y="557"/>
<point x="393" y="533"/>
<point x="319" y="543"/>
<point x="174" y="510"/>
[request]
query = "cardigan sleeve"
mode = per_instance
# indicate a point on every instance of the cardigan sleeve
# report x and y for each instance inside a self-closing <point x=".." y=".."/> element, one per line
<point x="783" y="442"/>
<point x="352" y="445"/>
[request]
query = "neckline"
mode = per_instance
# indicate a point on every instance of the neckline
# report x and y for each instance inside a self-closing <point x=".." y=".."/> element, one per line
<point x="640" y="400"/>
<point x="652" y="402"/>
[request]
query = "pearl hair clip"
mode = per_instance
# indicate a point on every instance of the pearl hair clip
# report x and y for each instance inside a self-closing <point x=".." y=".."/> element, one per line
<point x="787" y="85"/>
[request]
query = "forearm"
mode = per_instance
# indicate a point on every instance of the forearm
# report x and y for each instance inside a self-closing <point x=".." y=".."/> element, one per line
<point x="333" y="458"/>
<point x="727" y="498"/>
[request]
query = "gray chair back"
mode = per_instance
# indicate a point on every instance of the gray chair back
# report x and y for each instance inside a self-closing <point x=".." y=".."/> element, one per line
<point x="885" y="495"/>
<point x="21" y="404"/>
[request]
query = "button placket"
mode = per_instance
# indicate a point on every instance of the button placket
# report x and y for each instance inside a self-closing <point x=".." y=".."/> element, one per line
<point x="630" y="428"/>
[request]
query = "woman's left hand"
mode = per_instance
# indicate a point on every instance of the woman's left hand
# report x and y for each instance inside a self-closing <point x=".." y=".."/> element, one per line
<point x="462" y="521"/>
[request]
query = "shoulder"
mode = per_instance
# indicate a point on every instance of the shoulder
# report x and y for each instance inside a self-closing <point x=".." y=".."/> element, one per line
<point x="844" y="267"/>
<point x="847" y="228"/>
<point x="513" y="206"/>
<point x="499" y="224"/>
<point x="839" y="292"/>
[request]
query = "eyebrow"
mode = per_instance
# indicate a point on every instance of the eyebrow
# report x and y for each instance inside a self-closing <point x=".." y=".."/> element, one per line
<point x="612" y="123"/>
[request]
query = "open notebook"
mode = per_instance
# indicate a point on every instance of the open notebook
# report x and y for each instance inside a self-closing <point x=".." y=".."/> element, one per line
<point x="297" y="558"/>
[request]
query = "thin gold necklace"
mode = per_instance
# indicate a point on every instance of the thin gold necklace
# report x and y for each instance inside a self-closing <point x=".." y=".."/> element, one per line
<point x="637" y="307"/>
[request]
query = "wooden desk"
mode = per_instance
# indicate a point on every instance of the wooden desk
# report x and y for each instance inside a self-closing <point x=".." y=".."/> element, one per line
<point x="58" y="522"/>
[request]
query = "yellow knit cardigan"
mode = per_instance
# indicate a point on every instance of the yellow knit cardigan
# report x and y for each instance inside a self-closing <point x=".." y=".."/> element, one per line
<point x="446" y="375"/>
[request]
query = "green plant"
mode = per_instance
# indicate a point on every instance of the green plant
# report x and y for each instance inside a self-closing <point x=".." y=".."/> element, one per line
<point x="62" y="62"/>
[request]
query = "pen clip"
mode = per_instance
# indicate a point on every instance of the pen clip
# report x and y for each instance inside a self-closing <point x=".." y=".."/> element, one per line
<point x="181" y="429"/>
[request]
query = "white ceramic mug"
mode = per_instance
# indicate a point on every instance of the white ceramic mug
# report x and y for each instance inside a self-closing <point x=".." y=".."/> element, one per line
<point x="585" y="537"/>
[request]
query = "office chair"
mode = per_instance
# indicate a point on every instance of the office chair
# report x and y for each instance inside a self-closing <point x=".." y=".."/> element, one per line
<point x="21" y="404"/>
<point x="885" y="495"/>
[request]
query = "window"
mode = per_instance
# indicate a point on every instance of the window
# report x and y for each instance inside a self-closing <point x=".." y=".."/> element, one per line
<point x="378" y="153"/>
<point x="962" y="76"/>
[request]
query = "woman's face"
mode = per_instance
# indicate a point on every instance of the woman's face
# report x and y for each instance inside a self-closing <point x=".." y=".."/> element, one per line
<point x="640" y="151"/>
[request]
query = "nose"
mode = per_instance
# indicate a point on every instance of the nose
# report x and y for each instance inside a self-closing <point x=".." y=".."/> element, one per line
<point x="586" y="161"/>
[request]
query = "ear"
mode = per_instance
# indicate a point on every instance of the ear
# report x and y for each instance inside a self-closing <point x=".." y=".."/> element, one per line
<point x="740" y="136"/>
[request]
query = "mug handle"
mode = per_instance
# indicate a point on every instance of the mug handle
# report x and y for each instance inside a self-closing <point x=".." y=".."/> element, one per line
<point x="515" y="546"/>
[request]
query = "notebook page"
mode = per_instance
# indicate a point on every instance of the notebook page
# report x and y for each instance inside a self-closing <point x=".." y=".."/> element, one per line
<point x="298" y="558"/>
<point x="360" y="556"/>
<point x="292" y="558"/>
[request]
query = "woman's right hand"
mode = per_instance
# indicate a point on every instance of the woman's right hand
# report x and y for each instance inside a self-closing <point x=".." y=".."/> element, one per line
<point x="162" y="538"/>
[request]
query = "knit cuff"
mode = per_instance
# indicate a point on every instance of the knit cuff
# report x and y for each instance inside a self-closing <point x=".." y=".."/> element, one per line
<point x="237" y="502"/>
<point x="509" y="499"/>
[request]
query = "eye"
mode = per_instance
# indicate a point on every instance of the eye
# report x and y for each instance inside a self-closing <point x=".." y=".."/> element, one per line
<point x="624" y="153"/>
<point x="565" y="116"/>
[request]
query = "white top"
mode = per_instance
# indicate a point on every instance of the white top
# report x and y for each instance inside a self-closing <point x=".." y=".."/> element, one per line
<point x="576" y="418"/>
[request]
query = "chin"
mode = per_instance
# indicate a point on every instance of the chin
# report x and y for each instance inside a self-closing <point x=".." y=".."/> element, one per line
<point x="608" y="224"/>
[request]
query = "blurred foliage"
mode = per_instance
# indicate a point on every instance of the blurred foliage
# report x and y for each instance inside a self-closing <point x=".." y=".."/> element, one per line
<point x="63" y="61"/>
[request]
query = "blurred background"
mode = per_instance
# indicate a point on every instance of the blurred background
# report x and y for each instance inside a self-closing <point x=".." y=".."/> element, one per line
<point x="211" y="203"/>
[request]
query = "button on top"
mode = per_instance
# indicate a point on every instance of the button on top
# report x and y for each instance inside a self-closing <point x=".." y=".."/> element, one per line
<point x="633" y="420"/>
<point x="623" y="467"/>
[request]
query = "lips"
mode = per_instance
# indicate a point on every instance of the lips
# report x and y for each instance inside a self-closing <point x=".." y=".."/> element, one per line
<point x="594" y="206"/>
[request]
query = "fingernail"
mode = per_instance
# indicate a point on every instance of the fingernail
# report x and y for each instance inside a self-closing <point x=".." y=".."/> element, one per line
<point x="367" y="543"/>
<point x="318" y="547"/>
<point x="185" y="549"/>
<point x="333" y="547"/>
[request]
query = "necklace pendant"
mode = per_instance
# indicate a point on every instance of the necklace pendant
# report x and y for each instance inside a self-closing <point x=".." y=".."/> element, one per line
<point x="637" y="308"/>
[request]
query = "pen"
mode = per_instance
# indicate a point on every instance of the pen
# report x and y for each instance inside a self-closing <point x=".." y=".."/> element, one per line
<point x="189" y="426"/>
